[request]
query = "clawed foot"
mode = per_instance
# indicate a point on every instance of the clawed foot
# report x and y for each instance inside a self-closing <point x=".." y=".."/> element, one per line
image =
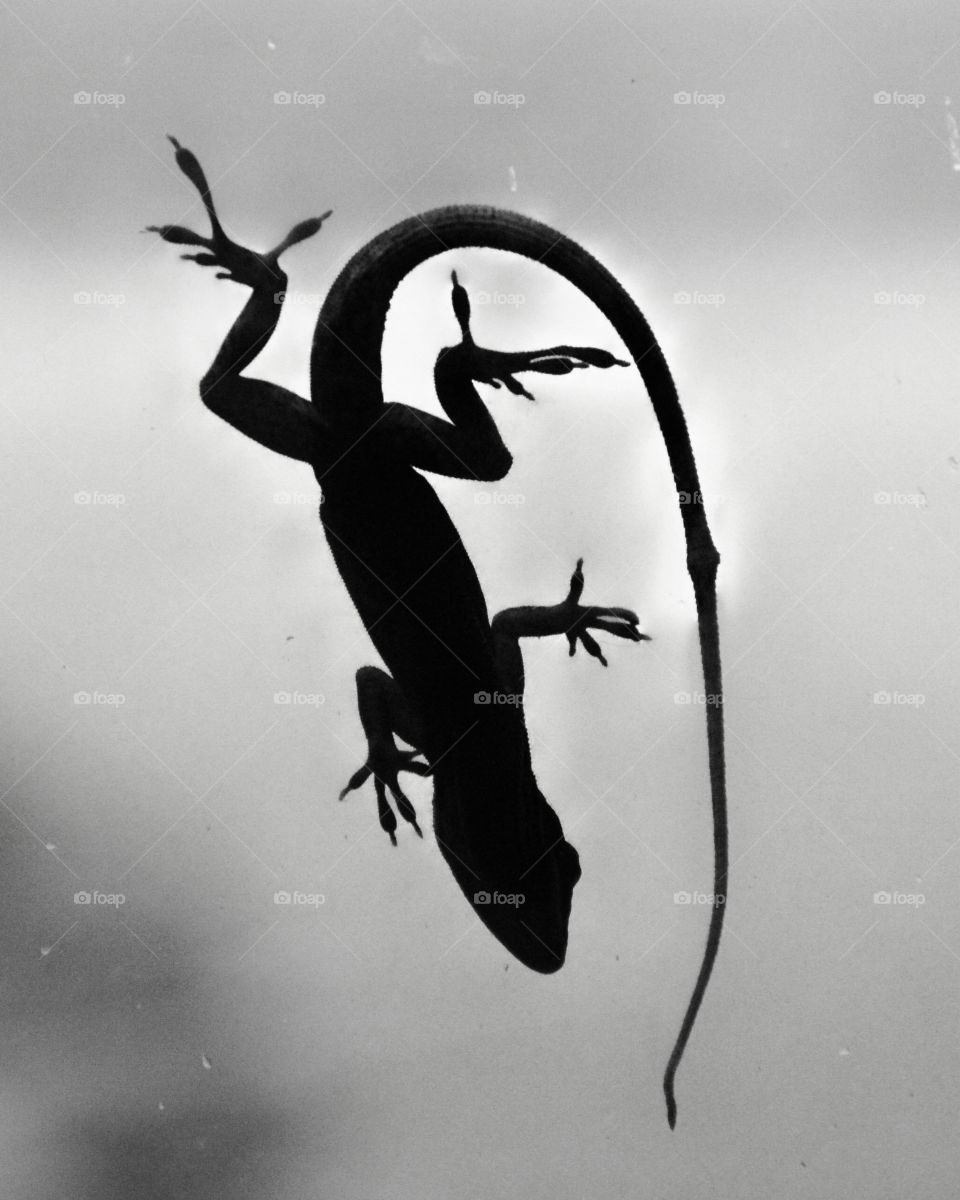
<point x="621" y="622"/>
<point x="385" y="764"/>
<point x="496" y="367"/>
<point x="258" y="271"/>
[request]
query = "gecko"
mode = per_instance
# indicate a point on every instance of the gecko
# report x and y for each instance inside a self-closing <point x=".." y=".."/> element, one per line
<point x="454" y="689"/>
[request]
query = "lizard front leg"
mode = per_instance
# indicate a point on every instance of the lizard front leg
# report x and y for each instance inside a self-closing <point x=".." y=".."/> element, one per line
<point x="385" y="712"/>
<point x="569" y="618"/>
<point x="265" y="412"/>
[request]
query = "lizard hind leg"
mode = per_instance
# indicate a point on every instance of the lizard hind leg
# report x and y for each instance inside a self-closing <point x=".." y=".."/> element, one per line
<point x="384" y="712"/>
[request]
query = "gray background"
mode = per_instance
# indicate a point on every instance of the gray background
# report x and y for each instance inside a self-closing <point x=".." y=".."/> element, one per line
<point x="201" y="1041"/>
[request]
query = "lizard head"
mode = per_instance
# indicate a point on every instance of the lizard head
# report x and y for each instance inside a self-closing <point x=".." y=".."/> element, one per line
<point x="526" y="908"/>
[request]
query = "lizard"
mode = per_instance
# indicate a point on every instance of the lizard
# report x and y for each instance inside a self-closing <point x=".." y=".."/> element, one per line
<point x="408" y="573"/>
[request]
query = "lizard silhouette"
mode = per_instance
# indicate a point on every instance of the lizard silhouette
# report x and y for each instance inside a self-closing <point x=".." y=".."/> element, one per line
<point x="410" y="576"/>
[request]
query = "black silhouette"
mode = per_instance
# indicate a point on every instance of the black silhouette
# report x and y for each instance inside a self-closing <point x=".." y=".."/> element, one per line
<point x="456" y="679"/>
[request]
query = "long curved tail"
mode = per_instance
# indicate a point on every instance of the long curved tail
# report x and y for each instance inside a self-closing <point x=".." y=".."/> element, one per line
<point x="348" y="337"/>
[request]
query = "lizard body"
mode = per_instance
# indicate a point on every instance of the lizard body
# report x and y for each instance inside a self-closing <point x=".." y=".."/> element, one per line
<point x="410" y="576"/>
